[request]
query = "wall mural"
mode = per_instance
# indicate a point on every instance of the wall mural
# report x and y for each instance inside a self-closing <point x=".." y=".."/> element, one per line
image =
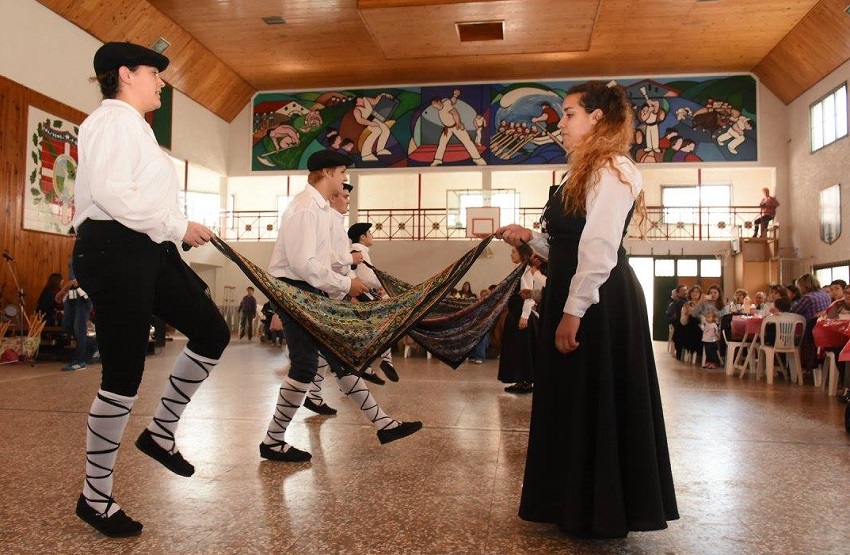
<point x="51" y="173"/>
<point x="683" y="119"/>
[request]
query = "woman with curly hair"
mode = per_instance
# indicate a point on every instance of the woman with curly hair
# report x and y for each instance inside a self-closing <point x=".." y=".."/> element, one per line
<point x="597" y="462"/>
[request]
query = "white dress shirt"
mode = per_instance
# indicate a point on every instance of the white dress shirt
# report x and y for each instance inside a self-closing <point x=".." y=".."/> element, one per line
<point x="364" y="272"/>
<point x="124" y="175"/>
<point x="526" y="281"/>
<point x="304" y="243"/>
<point x="607" y="206"/>
<point x="341" y="259"/>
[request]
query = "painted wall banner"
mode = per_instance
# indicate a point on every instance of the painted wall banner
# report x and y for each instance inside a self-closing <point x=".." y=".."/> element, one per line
<point x="682" y="119"/>
<point x="830" y="214"/>
<point x="51" y="172"/>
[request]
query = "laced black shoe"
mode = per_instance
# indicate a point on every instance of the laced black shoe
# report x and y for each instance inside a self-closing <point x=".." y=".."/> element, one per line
<point x="373" y="378"/>
<point x="290" y="455"/>
<point x="324" y="408"/>
<point x="402" y="430"/>
<point x="118" y="525"/>
<point x="389" y="370"/>
<point x="173" y="462"/>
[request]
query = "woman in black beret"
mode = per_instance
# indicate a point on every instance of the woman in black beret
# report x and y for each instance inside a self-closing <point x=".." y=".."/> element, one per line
<point x="128" y="223"/>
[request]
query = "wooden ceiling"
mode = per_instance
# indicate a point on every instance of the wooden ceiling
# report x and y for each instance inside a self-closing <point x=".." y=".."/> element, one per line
<point x="222" y="51"/>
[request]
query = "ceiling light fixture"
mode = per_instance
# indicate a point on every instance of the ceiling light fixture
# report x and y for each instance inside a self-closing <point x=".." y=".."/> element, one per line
<point x="471" y="31"/>
<point x="160" y="45"/>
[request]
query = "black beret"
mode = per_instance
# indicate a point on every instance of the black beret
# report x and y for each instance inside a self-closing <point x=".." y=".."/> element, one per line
<point x="356" y="230"/>
<point x="113" y="55"/>
<point x="327" y="159"/>
<point x="348" y="187"/>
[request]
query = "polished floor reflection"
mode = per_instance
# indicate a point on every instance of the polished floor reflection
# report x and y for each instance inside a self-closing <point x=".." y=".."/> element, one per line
<point x="758" y="468"/>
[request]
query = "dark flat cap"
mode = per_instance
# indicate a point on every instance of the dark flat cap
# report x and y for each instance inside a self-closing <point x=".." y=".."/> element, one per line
<point x="113" y="55"/>
<point x="327" y="159"/>
<point x="348" y="187"/>
<point x="356" y="230"/>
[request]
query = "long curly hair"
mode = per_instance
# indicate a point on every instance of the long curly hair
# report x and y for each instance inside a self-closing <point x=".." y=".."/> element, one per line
<point x="611" y="137"/>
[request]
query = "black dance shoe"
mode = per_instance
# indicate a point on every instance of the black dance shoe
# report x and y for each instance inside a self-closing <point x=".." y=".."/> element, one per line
<point x="324" y="409"/>
<point x="389" y="371"/>
<point x="404" y="429"/>
<point x="118" y="525"/>
<point x="290" y="455"/>
<point x="173" y="462"/>
<point x="374" y="378"/>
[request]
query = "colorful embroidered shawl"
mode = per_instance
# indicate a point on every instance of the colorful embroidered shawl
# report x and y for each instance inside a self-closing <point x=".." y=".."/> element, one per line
<point x="357" y="333"/>
<point x="450" y="335"/>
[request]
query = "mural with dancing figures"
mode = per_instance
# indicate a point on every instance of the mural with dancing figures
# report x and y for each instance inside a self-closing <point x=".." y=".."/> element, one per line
<point x="681" y="119"/>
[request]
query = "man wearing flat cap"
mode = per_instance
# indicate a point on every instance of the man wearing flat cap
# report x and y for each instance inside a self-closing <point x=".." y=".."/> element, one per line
<point x="361" y="240"/>
<point x="128" y="223"/>
<point x="302" y="258"/>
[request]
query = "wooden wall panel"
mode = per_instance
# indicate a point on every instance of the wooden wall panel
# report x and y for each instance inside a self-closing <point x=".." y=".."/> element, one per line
<point x="36" y="254"/>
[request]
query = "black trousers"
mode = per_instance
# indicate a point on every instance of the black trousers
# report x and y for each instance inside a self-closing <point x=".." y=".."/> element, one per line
<point x="303" y="349"/>
<point x="130" y="279"/>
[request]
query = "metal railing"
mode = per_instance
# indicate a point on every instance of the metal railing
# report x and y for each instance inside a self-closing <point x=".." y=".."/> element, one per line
<point x="427" y="224"/>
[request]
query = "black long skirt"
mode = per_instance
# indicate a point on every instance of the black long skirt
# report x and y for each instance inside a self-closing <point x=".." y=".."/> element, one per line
<point x="598" y="463"/>
<point x="519" y="347"/>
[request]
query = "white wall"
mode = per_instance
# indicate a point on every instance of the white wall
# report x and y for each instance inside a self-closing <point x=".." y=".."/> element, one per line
<point x="812" y="172"/>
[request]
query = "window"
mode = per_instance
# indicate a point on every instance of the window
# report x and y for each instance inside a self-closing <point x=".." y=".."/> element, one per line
<point x="681" y="203"/>
<point x="710" y="268"/>
<point x="828" y="118"/>
<point x="697" y="210"/>
<point x="203" y="208"/>
<point x="686" y="267"/>
<point x="665" y="267"/>
<point x="827" y="274"/>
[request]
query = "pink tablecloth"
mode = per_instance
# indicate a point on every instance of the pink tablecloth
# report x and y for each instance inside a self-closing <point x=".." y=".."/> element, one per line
<point x="745" y="325"/>
<point x="833" y="333"/>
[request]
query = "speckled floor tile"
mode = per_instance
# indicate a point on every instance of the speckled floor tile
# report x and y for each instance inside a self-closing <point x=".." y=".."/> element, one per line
<point x="758" y="469"/>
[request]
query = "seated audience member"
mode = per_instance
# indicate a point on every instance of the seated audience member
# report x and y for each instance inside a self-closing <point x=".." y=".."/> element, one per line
<point x="713" y="302"/>
<point x="780" y="305"/>
<point x="691" y="334"/>
<point x="466" y="291"/>
<point x="840" y="306"/>
<point x="813" y="302"/>
<point x="47" y="304"/>
<point x="738" y="298"/>
<point x="836" y="289"/>
<point x="793" y="294"/>
<point x="759" y="300"/>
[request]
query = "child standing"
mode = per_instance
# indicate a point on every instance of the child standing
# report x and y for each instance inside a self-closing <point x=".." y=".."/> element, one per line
<point x="710" y="336"/>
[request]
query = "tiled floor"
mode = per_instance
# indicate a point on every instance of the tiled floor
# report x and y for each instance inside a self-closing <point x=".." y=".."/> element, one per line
<point x="758" y="468"/>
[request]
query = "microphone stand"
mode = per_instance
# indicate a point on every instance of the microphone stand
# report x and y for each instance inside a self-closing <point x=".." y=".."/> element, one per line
<point x="21" y="305"/>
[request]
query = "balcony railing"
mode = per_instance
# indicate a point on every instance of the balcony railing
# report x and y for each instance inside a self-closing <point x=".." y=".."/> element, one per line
<point x="421" y="224"/>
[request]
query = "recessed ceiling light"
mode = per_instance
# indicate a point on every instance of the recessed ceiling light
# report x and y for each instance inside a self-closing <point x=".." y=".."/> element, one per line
<point x="160" y="45"/>
<point x="471" y="31"/>
<point x="274" y="20"/>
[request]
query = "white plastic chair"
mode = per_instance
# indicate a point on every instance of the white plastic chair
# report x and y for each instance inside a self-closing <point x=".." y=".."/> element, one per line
<point x="732" y="348"/>
<point x="830" y="366"/>
<point x="787" y="341"/>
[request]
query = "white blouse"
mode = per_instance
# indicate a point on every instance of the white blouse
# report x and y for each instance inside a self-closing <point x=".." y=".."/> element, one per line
<point x="607" y="207"/>
<point x="124" y="175"/>
<point x="304" y="243"/>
